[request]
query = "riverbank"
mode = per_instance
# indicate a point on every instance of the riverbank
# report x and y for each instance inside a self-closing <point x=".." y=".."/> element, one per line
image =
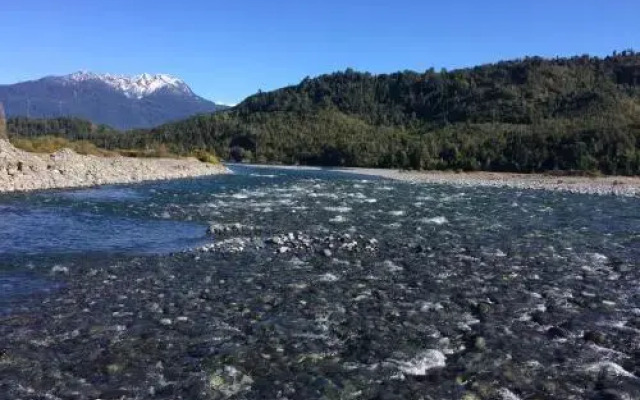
<point x="616" y="185"/>
<point x="23" y="171"/>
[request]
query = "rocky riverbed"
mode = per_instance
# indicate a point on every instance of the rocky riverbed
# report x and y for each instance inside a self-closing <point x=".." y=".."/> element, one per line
<point x="320" y="285"/>
<point x="601" y="185"/>
<point x="22" y="171"/>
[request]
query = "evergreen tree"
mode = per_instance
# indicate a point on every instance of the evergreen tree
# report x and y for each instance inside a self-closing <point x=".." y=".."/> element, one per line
<point x="3" y="123"/>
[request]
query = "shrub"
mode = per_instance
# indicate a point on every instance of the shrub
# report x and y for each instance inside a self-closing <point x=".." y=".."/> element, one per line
<point x="51" y="144"/>
<point x="205" y="156"/>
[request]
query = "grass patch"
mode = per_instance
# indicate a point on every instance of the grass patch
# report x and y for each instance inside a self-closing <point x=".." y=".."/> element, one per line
<point x="51" y="144"/>
<point x="156" y="151"/>
<point x="205" y="156"/>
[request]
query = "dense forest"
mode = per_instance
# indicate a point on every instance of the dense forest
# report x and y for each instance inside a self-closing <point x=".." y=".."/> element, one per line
<point x="533" y="114"/>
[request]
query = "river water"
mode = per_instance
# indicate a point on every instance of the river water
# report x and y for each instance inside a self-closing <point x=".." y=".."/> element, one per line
<point x="318" y="284"/>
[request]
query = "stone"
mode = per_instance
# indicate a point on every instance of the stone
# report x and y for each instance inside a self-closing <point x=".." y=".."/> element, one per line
<point x="596" y="337"/>
<point x="484" y="308"/>
<point x="480" y="344"/>
<point x="555" y="332"/>
<point x="229" y="381"/>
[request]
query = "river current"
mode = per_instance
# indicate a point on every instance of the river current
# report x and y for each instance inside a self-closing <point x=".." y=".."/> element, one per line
<point x="318" y="284"/>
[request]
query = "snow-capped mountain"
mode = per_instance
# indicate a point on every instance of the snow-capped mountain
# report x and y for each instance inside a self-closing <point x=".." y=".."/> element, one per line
<point x="120" y="101"/>
<point x="138" y="86"/>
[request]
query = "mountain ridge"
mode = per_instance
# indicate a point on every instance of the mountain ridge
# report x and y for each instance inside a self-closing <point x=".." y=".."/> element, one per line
<point x="138" y="86"/>
<point x="121" y="101"/>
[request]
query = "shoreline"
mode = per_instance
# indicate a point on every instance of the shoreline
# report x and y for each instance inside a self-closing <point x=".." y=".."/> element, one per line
<point x="21" y="171"/>
<point x="602" y="185"/>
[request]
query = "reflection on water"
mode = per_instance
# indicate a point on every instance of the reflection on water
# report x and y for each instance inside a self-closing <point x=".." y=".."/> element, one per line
<point x="109" y="193"/>
<point x="41" y="230"/>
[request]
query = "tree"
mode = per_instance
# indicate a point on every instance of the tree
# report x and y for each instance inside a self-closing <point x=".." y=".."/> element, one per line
<point x="3" y="123"/>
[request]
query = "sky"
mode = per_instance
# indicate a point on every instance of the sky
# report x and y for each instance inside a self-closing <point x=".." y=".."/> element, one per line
<point x="227" y="50"/>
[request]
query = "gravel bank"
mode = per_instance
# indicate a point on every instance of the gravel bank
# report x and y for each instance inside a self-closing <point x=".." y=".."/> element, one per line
<point x="23" y="171"/>
<point x="616" y="185"/>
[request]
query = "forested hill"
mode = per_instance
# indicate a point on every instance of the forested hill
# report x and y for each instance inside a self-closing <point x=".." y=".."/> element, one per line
<point x="580" y="113"/>
<point x="516" y="92"/>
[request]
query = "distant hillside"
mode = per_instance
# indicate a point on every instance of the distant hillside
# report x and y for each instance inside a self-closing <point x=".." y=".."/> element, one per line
<point x="119" y="101"/>
<point x="535" y="114"/>
<point x="67" y="127"/>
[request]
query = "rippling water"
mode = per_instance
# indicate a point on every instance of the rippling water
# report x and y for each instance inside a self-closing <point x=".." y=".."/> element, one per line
<point x="327" y="285"/>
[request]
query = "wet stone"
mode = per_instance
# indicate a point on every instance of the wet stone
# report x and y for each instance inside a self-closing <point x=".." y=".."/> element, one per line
<point x="556" y="332"/>
<point x="596" y="337"/>
<point x="480" y="344"/>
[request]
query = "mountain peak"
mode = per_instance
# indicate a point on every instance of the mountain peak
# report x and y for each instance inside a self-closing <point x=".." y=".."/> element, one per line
<point x="121" y="101"/>
<point x="137" y="86"/>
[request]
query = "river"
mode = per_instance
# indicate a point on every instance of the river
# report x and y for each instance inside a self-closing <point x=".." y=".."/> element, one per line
<point x="318" y="284"/>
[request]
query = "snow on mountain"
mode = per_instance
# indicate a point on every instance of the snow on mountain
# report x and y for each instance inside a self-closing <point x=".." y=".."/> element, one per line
<point x="123" y="102"/>
<point x="138" y="86"/>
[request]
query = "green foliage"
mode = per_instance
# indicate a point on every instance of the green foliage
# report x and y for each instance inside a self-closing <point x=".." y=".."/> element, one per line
<point x="51" y="144"/>
<point x="71" y="128"/>
<point x="528" y="115"/>
<point x="205" y="157"/>
<point x="3" y="123"/>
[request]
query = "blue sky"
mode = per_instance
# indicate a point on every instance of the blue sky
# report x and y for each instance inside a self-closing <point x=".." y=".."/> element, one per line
<point x="227" y="50"/>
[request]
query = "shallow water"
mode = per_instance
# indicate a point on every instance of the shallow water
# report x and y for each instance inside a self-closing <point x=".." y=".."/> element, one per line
<point x="326" y="285"/>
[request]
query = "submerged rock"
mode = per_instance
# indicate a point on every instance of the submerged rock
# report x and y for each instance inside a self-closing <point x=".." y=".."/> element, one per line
<point x="229" y="381"/>
<point x="596" y="337"/>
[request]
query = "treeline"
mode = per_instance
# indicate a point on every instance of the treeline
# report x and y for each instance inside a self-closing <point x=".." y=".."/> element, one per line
<point x="529" y="115"/>
<point x="69" y="127"/>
